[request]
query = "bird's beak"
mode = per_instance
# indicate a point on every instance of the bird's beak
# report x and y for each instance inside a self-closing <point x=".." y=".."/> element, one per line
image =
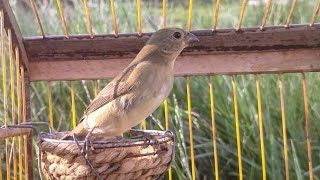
<point x="191" y="38"/>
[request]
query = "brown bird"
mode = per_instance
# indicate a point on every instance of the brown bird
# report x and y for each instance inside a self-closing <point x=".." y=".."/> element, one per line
<point x="137" y="91"/>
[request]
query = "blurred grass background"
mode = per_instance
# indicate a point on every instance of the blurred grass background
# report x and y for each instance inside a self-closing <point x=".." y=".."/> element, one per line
<point x="177" y="13"/>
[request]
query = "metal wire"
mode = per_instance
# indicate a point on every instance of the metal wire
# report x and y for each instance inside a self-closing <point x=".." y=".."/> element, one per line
<point x="236" y="116"/>
<point x="263" y="159"/>
<point x="243" y="7"/>
<point x="95" y="87"/>
<point x="50" y="104"/>
<point x="13" y="106"/>
<point x="291" y="13"/>
<point x="164" y="16"/>
<point x="214" y="130"/>
<point x="144" y="124"/>
<point x="35" y="11"/>
<point x="190" y="15"/>
<point x="64" y="24"/>
<point x="0" y="166"/>
<point x="24" y="114"/>
<point x="19" y="110"/>
<point x="284" y="128"/>
<point x="4" y="72"/>
<point x="265" y="16"/>
<point x="215" y="18"/>
<point x="114" y="19"/>
<point x="85" y="2"/>
<point x="73" y="105"/>
<point x="166" y="118"/>
<point x="315" y="15"/>
<point x="193" y="170"/>
<point x="139" y="17"/>
<point x="306" y="112"/>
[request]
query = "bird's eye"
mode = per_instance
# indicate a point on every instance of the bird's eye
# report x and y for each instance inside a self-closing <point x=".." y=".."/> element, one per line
<point x="177" y="35"/>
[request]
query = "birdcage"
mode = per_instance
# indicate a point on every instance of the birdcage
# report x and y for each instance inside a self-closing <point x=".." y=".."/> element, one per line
<point x="231" y="53"/>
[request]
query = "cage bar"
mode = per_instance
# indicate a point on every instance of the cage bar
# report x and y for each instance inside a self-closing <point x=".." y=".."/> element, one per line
<point x="306" y="111"/>
<point x="95" y="88"/>
<point x="290" y="13"/>
<point x="164" y="13"/>
<point x="63" y="21"/>
<point x="315" y="15"/>
<point x="193" y="168"/>
<point x="73" y="105"/>
<point x="85" y="2"/>
<point x="114" y="19"/>
<point x="215" y="18"/>
<point x="265" y="16"/>
<point x="166" y="118"/>
<point x="50" y="103"/>
<point x="13" y="106"/>
<point x="284" y="128"/>
<point x="35" y="11"/>
<point x="190" y="15"/>
<point x="139" y="17"/>
<point x="275" y="49"/>
<point x="263" y="159"/>
<point x="236" y="118"/>
<point x="214" y="130"/>
<point x="243" y="7"/>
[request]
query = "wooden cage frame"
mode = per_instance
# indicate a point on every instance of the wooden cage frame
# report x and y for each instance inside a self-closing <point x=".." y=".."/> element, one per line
<point x="277" y="49"/>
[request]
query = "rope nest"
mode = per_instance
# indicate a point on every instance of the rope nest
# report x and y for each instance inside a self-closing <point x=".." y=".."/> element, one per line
<point x="117" y="158"/>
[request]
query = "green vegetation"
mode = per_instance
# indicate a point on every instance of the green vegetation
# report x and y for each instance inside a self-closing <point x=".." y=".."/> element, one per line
<point x="177" y="13"/>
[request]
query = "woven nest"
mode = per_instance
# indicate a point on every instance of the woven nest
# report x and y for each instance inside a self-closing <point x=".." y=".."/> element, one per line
<point x="131" y="158"/>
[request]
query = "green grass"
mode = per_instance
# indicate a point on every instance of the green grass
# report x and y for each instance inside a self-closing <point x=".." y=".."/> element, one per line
<point x="178" y="115"/>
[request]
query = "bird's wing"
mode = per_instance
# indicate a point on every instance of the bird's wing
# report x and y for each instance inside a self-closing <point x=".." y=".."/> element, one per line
<point x="116" y="88"/>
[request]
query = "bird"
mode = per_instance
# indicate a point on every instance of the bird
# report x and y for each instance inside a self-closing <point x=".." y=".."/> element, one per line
<point x="138" y="90"/>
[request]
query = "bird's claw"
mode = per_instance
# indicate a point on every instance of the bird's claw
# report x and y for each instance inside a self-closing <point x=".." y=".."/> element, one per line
<point x="149" y="139"/>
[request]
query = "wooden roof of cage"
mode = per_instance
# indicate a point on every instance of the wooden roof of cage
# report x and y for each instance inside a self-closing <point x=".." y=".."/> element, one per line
<point x="286" y="48"/>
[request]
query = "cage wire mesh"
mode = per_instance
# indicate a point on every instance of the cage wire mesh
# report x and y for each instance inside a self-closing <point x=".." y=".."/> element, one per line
<point x="246" y="126"/>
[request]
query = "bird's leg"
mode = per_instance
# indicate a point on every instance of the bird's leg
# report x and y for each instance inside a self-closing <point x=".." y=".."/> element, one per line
<point x="86" y="143"/>
<point x="148" y="136"/>
<point x="85" y="156"/>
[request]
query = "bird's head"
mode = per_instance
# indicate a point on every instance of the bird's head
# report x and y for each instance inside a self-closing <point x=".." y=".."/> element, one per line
<point x="171" y="41"/>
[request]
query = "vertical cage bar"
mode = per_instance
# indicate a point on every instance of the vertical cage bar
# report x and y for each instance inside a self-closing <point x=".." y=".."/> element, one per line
<point x="139" y="17"/>
<point x="19" y="110"/>
<point x="35" y="11"/>
<point x="4" y="72"/>
<point x="24" y="115"/>
<point x="215" y="18"/>
<point x="164" y="13"/>
<point x="114" y="19"/>
<point x="236" y="116"/>
<point x="193" y="170"/>
<point x="265" y="16"/>
<point x="214" y="130"/>
<point x="243" y="7"/>
<point x="13" y="105"/>
<point x="144" y="124"/>
<point x="263" y="159"/>
<point x="95" y="88"/>
<point x="190" y="15"/>
<point x="315" y="15"/>
<point x="166" y="118"/>
<point x="5" y="98"/>
<point x="291" y="13"/>
<point x="85" y="3"/>
<point x="284" y="128"/>
<point x="64" y="24"/>
<point x="73" y="105"/>
<point x="50" y="103"/>
<point x="0" y="166"/>
<point x="306" y="112"/>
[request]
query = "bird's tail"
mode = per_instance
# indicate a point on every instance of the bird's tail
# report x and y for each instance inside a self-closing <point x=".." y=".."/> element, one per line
<point x="79" y="131"/>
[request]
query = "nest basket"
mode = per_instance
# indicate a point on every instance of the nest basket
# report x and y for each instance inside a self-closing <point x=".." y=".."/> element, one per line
<point x="136" y="157"/>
